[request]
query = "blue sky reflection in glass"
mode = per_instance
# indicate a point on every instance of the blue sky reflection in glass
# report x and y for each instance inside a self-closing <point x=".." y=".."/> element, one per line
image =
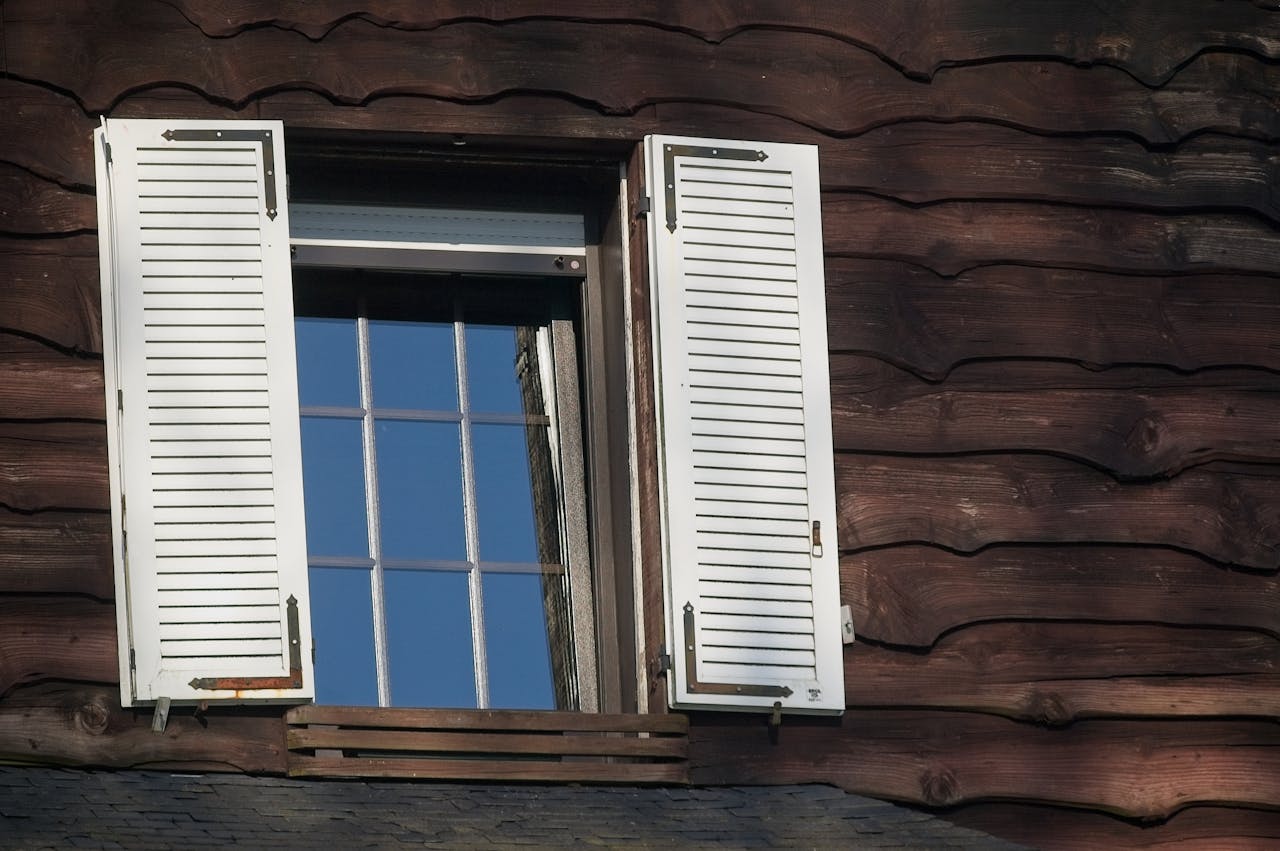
<point x="431" y="649"/>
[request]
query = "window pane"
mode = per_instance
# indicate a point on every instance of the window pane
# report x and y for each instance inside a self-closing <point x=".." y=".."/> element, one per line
<point x="413" y="365"/>
<point x="429" y="638"/>
<point x="328" y="362"/>
<point x="342" y="625"/>
<point x="420" y="490"/>
<point x="333" y="480"/>
<point x="515" y="627"/>
<point x="518" y="514"/>
<point x="502" y="369"/>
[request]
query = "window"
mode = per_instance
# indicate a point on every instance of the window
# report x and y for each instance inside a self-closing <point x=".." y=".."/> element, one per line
<point x="207" y="444"/>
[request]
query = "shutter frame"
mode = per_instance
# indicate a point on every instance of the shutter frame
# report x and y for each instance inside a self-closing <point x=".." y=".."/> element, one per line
<point x="734" y="245"/>
<point x="215" y="190"/>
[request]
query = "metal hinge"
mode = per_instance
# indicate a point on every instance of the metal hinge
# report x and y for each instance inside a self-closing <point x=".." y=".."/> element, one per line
<point x="106" y="149"/>
<point x="644" y="205"/>
<point x="664" y="660"/>
<point x="119" y="400"/>
<point x="133" y="660"/>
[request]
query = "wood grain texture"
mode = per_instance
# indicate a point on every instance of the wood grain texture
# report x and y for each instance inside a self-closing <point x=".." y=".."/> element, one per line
<point x="49" y="290"/>
<point x="1056" y="829"/>
<point x="461" y="741"/>
<point x="621" y="68"/>
<point x="1132" y="422"/>
<point x="955" y="236"/>
<point x="1141" y="769"/>
<point x="64" y="724"/>
<point x="943" y="33"/>
<point x="910" y="316"/>
<point x="487" y="719"/>
<point x="33" y="205"/>
<point x="1224" y="512"/>
<point x="41" y="383"/>
<point x="490" y="769"/>
<point x="56" y="638"/>
<point x="47" y="134"/>
<point x="48" y="466"/>
<point x="912" y="595"/>
<point x="56" y="552"/>
<point x="1056" y="673"/>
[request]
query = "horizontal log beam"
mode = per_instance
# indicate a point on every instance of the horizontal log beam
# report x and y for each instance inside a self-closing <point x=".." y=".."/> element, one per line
<point x="1059" y="829"/>
<point x="619" y="69"/>
<point x="915" y="318"/>
<point x="1132" y="422"/>
<point x="56" y="638"/>
<point x="34" y="205"/>
<point x="40" y="383"/>
<point x="59" y="724"/>
<point x="489" y="769"/>
<point x="911" y="595"/>
<point x="56" y="552"/>
<point x="463" y="741"/>
<point x="955" y="236"/>
<point x="46" y="466"/>
<point x="1139" y="769"/>
<point x="1057" y="673"/>
<point x="49" y="290"/>
<point x="1225" y="513"/>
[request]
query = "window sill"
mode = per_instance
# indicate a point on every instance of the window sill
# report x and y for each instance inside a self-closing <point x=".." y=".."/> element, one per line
<point x="486" y="744"/>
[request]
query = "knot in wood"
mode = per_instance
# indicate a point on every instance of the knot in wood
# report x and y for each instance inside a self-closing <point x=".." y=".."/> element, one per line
<point x="92" y="718"/>
<point x="1145" y="435"/>
<point x="1048" y="708"/>
<point x="939" y="787"/>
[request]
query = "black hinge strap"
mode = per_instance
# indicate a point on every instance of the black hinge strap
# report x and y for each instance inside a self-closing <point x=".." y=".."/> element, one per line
<point x="293" y="680"/>
<point x="262" y="137"/>
<point x="669" y="154"/>
<point x="691" y="670"/>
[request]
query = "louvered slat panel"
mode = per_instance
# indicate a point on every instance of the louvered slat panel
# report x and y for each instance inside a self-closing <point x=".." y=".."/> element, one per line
<point x="746" y="451"/>
<point x="206" y="444"/>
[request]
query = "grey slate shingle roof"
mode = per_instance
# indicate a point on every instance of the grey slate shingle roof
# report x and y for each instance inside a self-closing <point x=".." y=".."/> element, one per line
<point x="66" y="808"/>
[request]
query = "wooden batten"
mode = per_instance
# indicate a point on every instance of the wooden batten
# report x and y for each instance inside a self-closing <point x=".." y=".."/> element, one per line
<point x="458" y="744"/>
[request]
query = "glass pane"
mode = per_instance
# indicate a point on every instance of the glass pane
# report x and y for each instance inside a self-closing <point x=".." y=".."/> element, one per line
<point x="413" y="365"/>
<point x="420" y="490"/>
<point x="518" y="514"/>
<point x="328" y="362"/>
<point x="429" y="638"/>
<point x="342" y="625"/>
<point x="502" y="369"/>
<point x="516" y="628"/>
<point x="333" y="481"/>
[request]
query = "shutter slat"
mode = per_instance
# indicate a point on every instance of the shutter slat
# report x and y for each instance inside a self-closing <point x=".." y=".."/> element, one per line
<point x="745" y="440"/>
<point x="198" y="305"/>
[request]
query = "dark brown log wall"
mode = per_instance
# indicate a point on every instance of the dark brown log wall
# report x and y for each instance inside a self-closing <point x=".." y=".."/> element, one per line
<point x="1053" y="273"/>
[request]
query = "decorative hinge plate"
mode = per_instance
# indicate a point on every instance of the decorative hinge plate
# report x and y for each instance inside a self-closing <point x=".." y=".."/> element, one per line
<point x="691" y="670"/>
<point x="262" y="137"/>
<point x="292" y="680"/>
<point x="669" y="154"/>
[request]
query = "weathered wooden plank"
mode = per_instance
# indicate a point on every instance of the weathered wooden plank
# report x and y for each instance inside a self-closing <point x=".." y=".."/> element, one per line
<point x="924" y="162"/>
<point x="1133" y="422"/>
<point x="46" y="133"/>
<point x="489" y="769"/>
<point x="943" y="33"/>
<point x="955" y="236"/>
<point x="911" y="595"/>
<point x="1056" y="673"/>
<point x="487" y="719"/>
<point x="913" y="317"/>
<point x="1227" y="513"/>
<point x="56" y="552"/>
<point x="620" y="68"/>
<point x="56" y="638"/>
<point x="1143" y="769"/>
<point x="1061" y="829"/>
<point x="60" y="724"/>
<point x="41" y="383"/>
<point x="49" y="290"/>
<point x="46" y="466"/>
<point x="33" y="205"/>
<point x="463" y="741"/>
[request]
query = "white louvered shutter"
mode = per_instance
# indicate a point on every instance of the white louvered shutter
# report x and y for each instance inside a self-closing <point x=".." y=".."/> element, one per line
<point x="745" y="453"/>
<point x="206" y="470"/>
